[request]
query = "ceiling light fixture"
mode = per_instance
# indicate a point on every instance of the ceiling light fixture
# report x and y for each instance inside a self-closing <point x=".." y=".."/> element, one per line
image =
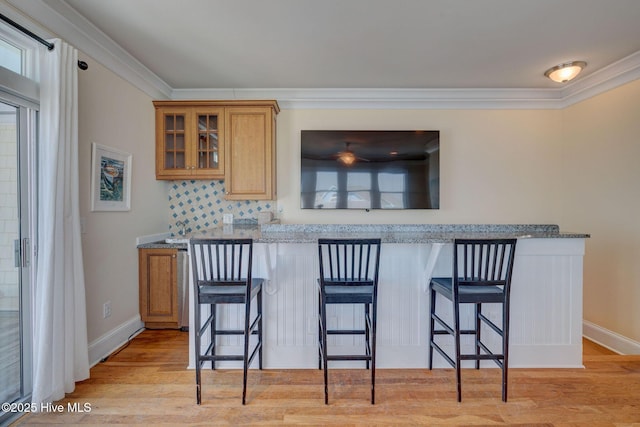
<point x="564" y="72"/>
<point x="347" y="157"/>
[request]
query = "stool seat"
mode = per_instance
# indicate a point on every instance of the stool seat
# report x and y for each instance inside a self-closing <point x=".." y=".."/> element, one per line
<point x="348" y="294"/>
<point x="235" y="292"/>
<point x="468" y="293"/>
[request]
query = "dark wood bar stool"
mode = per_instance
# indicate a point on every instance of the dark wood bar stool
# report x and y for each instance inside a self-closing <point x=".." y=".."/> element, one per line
<point x="481" y="274"/>
<point x="348" y="275"/>
<point x="222" y="275"/>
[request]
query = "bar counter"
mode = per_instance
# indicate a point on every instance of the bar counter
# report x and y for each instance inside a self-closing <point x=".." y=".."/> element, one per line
<point x="546" y="295"/>
<point x="389" y="233"/>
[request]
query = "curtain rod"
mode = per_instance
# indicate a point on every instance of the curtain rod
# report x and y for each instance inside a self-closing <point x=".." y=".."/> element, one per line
<point x="50" y="46"/>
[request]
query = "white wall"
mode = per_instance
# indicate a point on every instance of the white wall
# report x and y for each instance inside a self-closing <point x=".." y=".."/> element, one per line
<point x="601" y="196"/>
<point x="114" y="113"/>
<point x="497" y="166"/>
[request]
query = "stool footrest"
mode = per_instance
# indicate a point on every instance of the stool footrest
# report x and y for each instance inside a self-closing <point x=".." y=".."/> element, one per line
<point x="233" y="332"/>
<point x="348" y="357"/>
<point x="219" y="357"/>
<point x="445" y="325"/>
<point x="443" y="354"/>
<point x="345" y="332"/>
<point x="490" y="324"/>
<point x="481" y="357"/>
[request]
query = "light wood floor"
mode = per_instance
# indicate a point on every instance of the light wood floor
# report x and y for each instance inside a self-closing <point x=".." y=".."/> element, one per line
<point x="146" y="384"/>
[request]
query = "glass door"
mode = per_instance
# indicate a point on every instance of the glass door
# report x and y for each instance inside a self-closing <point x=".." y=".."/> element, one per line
<point x="17" y="128"/>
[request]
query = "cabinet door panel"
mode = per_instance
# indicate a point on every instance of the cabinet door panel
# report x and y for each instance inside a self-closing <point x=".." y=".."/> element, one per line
<point x="208" y="147"/>
<point x="161" y="289"/>
<point x="158" y="287"/>
<point x="249" y="154"/>
<point x="172" y="157"/>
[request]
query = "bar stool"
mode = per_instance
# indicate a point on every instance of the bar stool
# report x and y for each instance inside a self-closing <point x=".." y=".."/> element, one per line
<point x="481" y="274"/>
<point x="222" y="275"/>
<point x="348" y="275"/>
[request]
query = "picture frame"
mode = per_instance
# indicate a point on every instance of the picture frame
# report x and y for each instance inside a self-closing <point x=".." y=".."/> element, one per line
<point x="110" y="179"/>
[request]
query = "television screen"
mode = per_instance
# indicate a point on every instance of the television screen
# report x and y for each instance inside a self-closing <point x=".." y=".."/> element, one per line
<point x="387" y="169"/>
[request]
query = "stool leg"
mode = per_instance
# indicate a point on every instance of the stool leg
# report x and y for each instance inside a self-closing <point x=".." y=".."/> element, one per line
<point x="323" y="317"/>
<point x="259" y="307"/>
<point x="373" y="353"/>
<point x="456" y="328"/>
<point x="245" y="359"/>
<point x="320" y="330"/>
<point x="198" y="391"/>
<point x="478" y="310"/>
<point x="212" y="331"/>
<point x="197" y="346"/>
<point x="505" y="350"/>
<point x="367" y="332"/>
<point x="432" y="310"/>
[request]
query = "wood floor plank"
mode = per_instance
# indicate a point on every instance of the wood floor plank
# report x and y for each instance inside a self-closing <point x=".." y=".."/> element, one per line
<point x="147" y="383"/>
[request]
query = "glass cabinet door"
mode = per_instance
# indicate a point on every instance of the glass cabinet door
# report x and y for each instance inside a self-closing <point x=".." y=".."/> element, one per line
<point x="209" y="146"/>
<point x="175" y="155"/>
<point x="208" y="153"/>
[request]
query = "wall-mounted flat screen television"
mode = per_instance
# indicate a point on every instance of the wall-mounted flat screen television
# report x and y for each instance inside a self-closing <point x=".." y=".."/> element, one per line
<point x="370" y="169"/>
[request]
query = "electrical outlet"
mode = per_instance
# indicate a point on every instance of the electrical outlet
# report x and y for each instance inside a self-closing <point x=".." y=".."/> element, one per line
<point x="106" y="309"/>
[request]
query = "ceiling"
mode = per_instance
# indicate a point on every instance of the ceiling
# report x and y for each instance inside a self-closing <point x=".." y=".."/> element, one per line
<point x="366" y="43"/>
<point x="353" y="53"/>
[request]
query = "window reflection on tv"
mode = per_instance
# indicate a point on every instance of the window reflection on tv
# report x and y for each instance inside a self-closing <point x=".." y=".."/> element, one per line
<point x="344" y="169"/>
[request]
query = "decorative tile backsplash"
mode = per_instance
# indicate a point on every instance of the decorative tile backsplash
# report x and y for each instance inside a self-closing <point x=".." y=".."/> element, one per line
<point x="198" y="205"/>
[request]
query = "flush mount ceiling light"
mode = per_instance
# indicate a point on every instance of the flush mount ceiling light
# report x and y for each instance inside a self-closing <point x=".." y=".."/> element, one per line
<point x="564" y="72"/>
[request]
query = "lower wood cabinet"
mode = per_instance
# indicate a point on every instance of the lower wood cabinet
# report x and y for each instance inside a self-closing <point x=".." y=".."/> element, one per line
<point x="159" y="293"/>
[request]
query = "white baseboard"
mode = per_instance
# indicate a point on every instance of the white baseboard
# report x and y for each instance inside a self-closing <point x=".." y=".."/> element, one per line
<point x="609" y="339"/>
<point x="109" y="342"/>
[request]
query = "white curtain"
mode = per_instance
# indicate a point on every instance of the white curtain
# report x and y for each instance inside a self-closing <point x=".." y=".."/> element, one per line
<point x="60" y="351"/>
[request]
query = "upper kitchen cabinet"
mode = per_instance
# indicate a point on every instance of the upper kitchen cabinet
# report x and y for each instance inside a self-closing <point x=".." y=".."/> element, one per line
<point x="189" y="141"/>
<point x="250" y="153"/>
<point x="229" y="140"/>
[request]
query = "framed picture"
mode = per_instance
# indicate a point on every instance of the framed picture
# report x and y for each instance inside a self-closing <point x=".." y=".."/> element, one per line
<point x="110" y="179"/>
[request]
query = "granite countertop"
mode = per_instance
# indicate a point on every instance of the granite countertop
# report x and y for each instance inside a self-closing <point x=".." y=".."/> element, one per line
<point x="389" y="233"/>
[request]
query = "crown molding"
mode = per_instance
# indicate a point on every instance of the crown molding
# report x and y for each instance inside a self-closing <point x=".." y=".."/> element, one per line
<point x="339" y="98"/>
<point x="617" y="74"/>
<point x="62" y="20"/>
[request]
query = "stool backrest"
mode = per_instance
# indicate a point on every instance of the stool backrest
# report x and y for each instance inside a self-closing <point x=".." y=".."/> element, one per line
<point x="221" y="262"/>
<point x="483" y="262"/>
<point x="349" y="261"/>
